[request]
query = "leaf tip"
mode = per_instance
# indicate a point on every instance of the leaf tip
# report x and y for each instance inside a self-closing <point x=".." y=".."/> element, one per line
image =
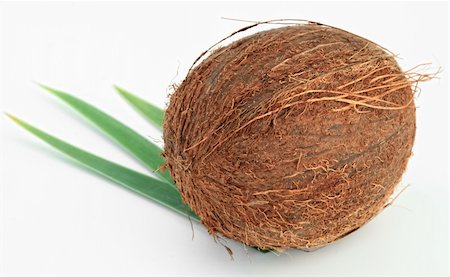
<point x="38" y="83"/>
<point x="13" y="118"/>
<point x="47" y="88"/>
<point x="120" y="90"/>
<point x="9" y="115"/>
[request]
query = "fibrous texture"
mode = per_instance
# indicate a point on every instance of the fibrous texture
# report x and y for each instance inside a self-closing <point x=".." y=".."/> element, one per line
<point x="291" y="137"/>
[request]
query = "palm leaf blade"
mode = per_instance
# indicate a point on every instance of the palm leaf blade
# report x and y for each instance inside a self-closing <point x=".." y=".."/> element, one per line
<point x="144" y="185"/>
<point x="140" y="147"/>
<point x="149" y="111"/>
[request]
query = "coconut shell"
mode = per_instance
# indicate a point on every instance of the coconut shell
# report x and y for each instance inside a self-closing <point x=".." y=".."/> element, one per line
<point x="291" y="137"/>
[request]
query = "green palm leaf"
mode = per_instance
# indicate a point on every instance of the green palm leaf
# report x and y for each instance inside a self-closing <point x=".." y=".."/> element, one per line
<point x="140" y="147"/>
<point x="150" y="112"/>
<point x="144" y="185"/>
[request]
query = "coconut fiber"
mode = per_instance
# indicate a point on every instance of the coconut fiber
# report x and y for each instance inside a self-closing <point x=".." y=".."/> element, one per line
<point x="291" y="137"/>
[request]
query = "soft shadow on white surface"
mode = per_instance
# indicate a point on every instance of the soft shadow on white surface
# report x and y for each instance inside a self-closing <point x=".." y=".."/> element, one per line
<point x="57" y="219"/>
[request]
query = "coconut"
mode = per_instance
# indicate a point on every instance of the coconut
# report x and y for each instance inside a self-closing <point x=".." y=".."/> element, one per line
<point x="291" y="137"/>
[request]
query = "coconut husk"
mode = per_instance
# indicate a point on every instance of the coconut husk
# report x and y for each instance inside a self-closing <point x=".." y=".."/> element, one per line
<point x="291" y="137"/>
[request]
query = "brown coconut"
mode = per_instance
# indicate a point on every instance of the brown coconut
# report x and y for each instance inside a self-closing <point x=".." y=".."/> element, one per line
<point x="291" y="137"/>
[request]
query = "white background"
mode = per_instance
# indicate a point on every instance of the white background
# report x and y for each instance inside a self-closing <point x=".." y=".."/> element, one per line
<point x="59" y="219"/>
